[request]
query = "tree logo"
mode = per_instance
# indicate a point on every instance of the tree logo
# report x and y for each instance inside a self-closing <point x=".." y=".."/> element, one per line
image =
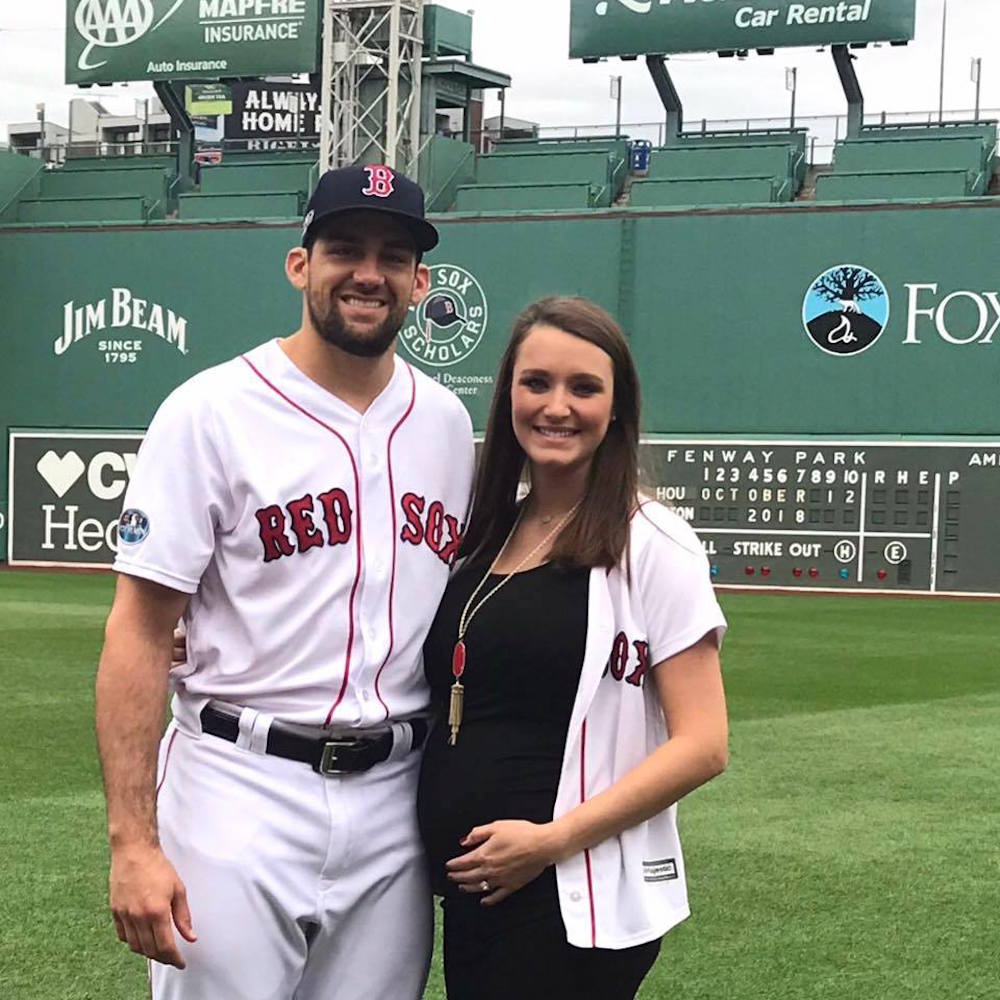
<point x="451" y="321"/>
<point x="845" y="310"/>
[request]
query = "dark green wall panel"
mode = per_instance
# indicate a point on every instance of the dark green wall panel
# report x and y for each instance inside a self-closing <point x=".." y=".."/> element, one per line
<point x="712" y="300"/>
<point x="718" y="323"/>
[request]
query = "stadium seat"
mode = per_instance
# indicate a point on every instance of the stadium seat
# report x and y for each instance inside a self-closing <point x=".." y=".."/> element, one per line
<point x="111" y="208"/>
<point x="301" y="156"/>
<point x="672" y="192"/>
<point x="985" y="130"/>
<point x="150" y="183"/>
<point x="943" y="153"/>
<point x="256" y="178"/>
<point x="605" y="171"/>
<point x="241" y="206"/>
<point x="607" y="144"/>
<point x="525" y="197"/>
<point x="166" y="163"/>
<point x="692" y="161"/>
<point x="893" y="185"/>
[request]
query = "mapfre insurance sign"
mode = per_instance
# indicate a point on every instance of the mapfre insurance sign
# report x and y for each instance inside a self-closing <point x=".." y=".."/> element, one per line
<point x="121" y="40"/>
<point x="65" y="496"/>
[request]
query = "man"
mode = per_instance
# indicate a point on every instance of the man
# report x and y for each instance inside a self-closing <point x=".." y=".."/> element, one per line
<point x="300" y="506"/>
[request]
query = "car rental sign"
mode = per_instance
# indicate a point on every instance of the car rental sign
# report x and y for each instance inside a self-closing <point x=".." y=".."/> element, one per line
<point x="640" y="27"/>
<point x="120" y="40"/>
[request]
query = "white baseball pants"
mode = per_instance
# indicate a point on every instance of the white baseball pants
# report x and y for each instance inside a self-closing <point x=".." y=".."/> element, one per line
<point x="301" y="887"/>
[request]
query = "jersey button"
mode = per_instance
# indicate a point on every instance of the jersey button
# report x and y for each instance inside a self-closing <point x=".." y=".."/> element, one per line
<point x="575" y="897"/>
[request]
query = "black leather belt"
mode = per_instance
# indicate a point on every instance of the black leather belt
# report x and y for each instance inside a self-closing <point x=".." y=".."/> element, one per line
<point x="325" y="753"/>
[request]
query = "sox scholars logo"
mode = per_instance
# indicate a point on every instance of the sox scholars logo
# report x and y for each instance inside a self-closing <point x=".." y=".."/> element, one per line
<point x="846" y="310"/>
<point x="381" y="182"/>
<point x="451" y="321"/>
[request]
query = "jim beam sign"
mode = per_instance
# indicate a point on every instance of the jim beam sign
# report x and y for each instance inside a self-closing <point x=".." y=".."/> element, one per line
<point x="118" y="326"/>
<point x="65" y="493"/>
<point x="120" y="40"/>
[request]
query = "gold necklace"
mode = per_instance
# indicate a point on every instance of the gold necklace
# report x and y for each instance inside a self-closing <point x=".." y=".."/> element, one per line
<point x="458" y="656"/>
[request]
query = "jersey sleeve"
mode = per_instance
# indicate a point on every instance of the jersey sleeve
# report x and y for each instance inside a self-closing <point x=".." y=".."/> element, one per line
<point x="176" y="498"/>
<point x="675" y="587"/>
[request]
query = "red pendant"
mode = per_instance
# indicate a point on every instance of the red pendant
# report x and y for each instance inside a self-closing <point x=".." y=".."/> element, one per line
<point x="458" y="659"/>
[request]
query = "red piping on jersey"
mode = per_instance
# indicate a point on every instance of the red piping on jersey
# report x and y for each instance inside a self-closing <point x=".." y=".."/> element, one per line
<point x="166" y="761"/>
<point x="586" y="853"/>
<point x="357" y="509"/>
<point x="392" y="509"/>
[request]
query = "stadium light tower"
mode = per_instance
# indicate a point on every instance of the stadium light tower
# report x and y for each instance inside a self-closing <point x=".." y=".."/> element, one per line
<point x="372" y="52"/>
<point x="977" y="79"/>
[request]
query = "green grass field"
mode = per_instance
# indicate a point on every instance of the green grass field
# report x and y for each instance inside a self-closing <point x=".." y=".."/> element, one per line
<point x="851" y="852"/>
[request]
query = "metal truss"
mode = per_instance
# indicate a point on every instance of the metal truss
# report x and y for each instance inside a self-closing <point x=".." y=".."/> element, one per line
<point x="372" y="52"/>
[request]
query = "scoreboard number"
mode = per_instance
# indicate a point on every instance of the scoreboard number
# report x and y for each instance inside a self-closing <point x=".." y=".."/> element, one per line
<point x="881" y="516"/>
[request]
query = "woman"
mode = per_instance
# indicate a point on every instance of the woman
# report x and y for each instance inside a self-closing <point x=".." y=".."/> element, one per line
<point x="580" y="630"/>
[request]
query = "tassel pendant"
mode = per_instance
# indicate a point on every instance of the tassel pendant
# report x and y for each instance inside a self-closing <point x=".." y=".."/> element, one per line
<point x="457" y="703"/>
<point x="455" y="708"/>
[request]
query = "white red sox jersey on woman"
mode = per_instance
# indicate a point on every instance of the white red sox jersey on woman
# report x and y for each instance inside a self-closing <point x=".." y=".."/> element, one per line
<point x="315" y="541"/>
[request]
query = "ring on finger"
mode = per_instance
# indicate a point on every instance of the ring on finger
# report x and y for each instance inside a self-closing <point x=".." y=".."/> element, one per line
<point x="484" y="886"/>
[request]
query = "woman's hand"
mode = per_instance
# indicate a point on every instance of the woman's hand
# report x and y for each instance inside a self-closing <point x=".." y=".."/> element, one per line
<point x="504" y="857"/>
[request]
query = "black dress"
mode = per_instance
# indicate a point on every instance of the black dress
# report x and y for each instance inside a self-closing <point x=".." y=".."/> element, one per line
<point x="525" y="650"/>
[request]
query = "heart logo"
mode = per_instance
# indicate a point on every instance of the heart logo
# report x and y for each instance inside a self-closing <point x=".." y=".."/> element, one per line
<point x="60" y="473"/>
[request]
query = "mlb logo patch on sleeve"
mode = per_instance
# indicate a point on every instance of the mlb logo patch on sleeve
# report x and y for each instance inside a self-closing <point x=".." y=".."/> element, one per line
<point x="133" y="527"/>
<point x="659" y="871"/>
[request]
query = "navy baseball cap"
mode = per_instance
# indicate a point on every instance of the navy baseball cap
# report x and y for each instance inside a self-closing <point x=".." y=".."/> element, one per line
<point x="372" y="188"/>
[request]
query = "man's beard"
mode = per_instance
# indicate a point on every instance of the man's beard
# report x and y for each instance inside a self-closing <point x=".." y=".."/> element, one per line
<point x="331" y="326"/>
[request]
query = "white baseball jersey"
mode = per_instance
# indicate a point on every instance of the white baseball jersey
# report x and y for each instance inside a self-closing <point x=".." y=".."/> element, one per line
<point x="631" y="888"/>
<point x="315" y="541"/>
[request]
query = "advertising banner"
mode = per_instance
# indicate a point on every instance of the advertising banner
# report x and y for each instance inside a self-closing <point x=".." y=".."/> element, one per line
<point x="120" y="40"/>
<point x="273" y="116"/>
<point x="65" y="496"/>
<point x="208" y="99"/>
<point x="638" y="27"/>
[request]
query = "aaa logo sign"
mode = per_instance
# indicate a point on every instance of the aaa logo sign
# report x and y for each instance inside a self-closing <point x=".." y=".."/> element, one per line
<point x="109" y="40"/>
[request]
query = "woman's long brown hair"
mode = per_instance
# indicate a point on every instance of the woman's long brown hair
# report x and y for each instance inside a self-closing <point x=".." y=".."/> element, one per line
<point x="598" y="533"/>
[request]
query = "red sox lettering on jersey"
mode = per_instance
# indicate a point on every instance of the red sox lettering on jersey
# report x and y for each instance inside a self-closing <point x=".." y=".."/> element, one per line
<point x="380" y="182"/>
<point x="299" y="531"/>
<point x="621" y="655"/>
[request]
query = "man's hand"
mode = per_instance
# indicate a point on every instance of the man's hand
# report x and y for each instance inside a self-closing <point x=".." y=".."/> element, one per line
<point x="148" y="900"/>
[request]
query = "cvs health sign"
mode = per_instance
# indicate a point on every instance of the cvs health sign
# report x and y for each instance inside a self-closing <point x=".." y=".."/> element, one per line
<point x="65" y="496"/>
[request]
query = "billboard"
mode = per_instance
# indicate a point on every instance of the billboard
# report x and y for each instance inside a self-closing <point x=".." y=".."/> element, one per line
<point x="268" y="115"/>
<point x="120" y="40"/>
<point x="65" y="490"/>
<point x="637" y="27"/>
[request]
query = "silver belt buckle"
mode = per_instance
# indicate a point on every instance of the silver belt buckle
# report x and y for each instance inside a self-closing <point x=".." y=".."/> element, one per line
<point x="328" y="762"/>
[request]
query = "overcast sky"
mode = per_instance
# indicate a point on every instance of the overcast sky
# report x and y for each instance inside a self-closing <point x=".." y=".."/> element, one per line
<point x="529" y="39"/>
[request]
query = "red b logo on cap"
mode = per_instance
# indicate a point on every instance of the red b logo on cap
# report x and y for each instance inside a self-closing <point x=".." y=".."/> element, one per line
<point x="380" y="182"/>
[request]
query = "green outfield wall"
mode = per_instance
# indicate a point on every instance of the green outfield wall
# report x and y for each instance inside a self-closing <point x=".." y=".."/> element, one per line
<point x="822" y="320"/>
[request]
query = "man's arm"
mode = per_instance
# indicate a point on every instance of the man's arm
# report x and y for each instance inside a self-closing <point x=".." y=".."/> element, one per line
<point x="147" y="896"/>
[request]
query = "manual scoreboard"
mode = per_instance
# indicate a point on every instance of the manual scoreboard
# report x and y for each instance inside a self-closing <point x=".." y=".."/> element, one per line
<point x="844" y="515"/>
